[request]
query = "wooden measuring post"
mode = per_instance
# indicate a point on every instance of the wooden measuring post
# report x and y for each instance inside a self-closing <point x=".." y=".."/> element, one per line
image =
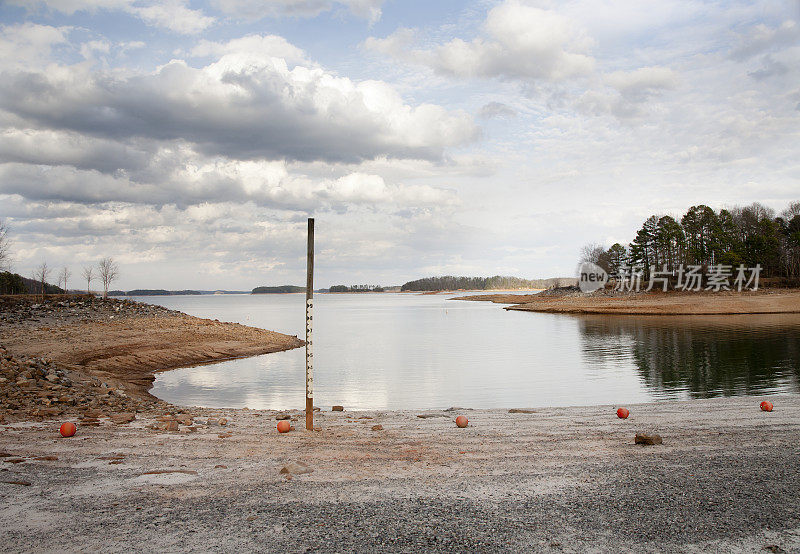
<point x="309" y="321"/>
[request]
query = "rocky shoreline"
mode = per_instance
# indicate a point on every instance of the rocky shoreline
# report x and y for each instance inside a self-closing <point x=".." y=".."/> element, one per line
<point x="89" y="357"/>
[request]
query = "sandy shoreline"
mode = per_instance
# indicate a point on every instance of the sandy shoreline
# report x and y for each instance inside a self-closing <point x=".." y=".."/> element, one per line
<point x="770" y="301"/>
<point x="560" y="479"/>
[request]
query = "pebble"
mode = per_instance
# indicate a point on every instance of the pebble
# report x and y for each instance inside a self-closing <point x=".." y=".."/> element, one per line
<point x="337" y="409"/>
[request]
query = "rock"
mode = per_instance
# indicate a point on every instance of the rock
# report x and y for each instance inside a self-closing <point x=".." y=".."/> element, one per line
<point x="220" y="466"/>
<point x="170" y="426"/>
<point x="123" y="418"/>
<point x="521" y="411"/>
<point x="428" y="416"/>
<point x="337" y="409"/>
<point x="14" y="460"/>
<point x="23" y="483"/>
<point x="223" y="421"/>
<point x="377" y="427"/>
<point x="281" y="417"/>
<point x="643" y="438"/>
<point x="46" y="458"/>
<point x="225" y="435"/>
<point x="296" y="468"/>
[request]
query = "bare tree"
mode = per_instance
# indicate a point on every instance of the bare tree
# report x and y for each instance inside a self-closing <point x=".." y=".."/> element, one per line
<point x="791" y="211"/>
<point x="5" y="246"/>
<point x="108" y="272"/>
<point x="88" y="274"/>
<point x="596" y="254"/>
<point x="41" y="275"/>
<point x="63" y="277"/>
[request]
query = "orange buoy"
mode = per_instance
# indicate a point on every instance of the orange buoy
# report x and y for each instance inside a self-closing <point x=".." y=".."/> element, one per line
<point x="766" y="406"/>
<point x="284" y="426"/>
<point x="462" y="421"/>
<point x="623" y="413"/>
<point x="68" y="429"/>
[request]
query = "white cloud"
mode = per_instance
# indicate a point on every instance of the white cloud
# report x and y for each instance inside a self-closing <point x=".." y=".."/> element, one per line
<point x="257" y="46"/>
<point x="519" y="42"/>
<point x="763" y="38"/>
<point x="643" y="81"/>
<point x="174" y="15"/>
<point x="243" y="105"/>
<point x="28" y="44"/>
<point x="258" y="9"/>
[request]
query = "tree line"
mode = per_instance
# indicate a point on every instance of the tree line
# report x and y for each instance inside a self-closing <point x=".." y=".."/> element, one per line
<point x="356" y="288"/>
<point x="450" y="282"/>
<point x="749" y="235"/>
<point x="106" y="271"/>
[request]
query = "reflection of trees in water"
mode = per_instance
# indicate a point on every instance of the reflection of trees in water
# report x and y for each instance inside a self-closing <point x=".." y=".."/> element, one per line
<point x="704" y="355"/>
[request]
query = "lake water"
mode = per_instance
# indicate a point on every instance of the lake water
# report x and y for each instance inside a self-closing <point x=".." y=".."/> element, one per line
<point x="409" y="351"/>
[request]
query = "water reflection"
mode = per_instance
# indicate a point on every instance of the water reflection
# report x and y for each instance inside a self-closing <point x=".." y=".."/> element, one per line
<point x="699" y="356"/>
<point x="405" y="351"/>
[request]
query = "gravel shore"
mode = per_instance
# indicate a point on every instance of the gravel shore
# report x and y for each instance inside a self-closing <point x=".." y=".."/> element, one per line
<point x="725" y="479"/>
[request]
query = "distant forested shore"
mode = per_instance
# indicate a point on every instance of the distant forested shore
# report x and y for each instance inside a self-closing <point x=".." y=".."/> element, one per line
<point x="14" y="283"/>
<point x="497" y="282"/>
<point x="282" y="289"/>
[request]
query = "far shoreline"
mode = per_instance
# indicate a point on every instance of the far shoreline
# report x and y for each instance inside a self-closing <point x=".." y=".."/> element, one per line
<point x="763" y="301"/>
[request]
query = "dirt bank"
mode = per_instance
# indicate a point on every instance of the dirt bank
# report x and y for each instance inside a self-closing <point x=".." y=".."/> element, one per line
<point x="101" y="345"/>
<point x="725" y="479"/>
<point x="772" y="301"/>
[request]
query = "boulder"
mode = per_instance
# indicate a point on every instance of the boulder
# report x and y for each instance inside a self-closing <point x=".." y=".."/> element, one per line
<point x="644" y="438"/>
<point x="123" y="418"/>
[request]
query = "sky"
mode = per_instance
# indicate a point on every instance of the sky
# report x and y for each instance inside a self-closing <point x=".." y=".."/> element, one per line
<point x="191" y="140"/>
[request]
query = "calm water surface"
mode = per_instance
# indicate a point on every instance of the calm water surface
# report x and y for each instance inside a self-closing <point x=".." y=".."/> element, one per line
<point x="408" y="351"/>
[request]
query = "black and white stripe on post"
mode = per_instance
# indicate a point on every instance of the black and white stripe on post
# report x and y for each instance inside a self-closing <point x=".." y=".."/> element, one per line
<point x="309" y="321"/>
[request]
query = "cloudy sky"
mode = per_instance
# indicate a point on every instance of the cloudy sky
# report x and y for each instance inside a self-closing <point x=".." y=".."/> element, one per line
<point x="191" y="140"/>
